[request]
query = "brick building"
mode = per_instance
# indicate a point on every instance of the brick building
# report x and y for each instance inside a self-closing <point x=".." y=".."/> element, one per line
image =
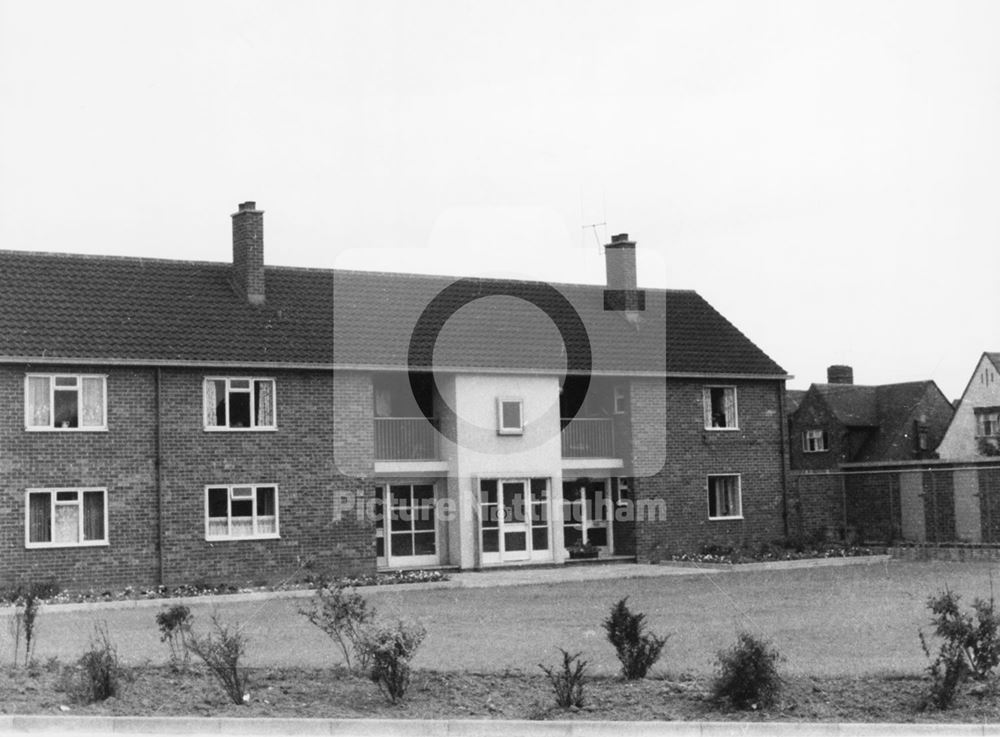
<point x="176" y="422"/>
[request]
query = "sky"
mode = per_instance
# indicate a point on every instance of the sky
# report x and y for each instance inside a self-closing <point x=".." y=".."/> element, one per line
<point x="825" y="174"/>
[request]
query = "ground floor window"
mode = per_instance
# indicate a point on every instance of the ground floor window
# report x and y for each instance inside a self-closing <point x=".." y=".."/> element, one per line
<point x="514" y="519"/>
<point x="406" y="525"/>
<point x="64" y="517"/>
<point x="724" y="497"/>
<point x="240" y="512"/>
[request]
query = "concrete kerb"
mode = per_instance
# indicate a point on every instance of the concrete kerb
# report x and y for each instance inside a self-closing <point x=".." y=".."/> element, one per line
<point x="454" y="728"/>
<point x="482" y="579"/>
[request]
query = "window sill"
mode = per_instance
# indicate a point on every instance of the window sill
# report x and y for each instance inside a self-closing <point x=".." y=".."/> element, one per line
<point x="241" y="429"/>
<point x="724" y="519"/>
<point x="239" y="539"/>
<point x="47" y="546"/>
<point x="510" y="432"/>
<point x="722" y="429"/>
<point x="813" y="452"/>
<point x="66" y="429"/>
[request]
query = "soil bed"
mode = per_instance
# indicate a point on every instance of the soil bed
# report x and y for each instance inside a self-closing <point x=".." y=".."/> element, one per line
<point x="299" y="692"/>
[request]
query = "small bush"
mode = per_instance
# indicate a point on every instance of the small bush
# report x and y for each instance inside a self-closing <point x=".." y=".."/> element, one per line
<point x="567" y="682"/>
<point x="344" y="616"/>
<point x="748" y="674"/>
<point x="175" y="629"/>
<point x="222" y="651"/>
<point x="99" y="674"/>
<point x="636" y="650"/>
<point x="28" y="600"/>
<point x="389" y="650"/>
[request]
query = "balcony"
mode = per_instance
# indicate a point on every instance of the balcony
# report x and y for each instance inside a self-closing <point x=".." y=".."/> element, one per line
<point x="589" y="437"/>
<point x="405" y="439"/>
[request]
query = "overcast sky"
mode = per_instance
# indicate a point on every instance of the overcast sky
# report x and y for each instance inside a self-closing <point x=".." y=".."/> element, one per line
<point x="827" y="175"/>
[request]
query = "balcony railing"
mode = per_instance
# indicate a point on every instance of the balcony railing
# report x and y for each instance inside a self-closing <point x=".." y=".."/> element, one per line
<point x="589" y="437"/>
<point x="405" y="439"/>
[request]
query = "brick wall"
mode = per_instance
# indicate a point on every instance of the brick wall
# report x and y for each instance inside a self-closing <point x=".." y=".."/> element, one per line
<point x="692" y="453"/>
<point x="297" y="458"/>
<point x="815" y="504"/>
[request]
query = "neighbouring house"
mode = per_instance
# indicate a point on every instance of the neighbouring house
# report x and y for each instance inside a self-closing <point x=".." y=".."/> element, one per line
<point x="172" y="421"/>
<point x="974" y="431"/>
<point x="841" y="422"/>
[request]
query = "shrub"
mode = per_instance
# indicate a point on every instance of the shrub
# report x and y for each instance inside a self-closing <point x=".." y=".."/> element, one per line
<point x="567" y="682"/>
<point x="636" y="650"/>
<point x="222" y="650"/>
<point x="389" y="649"/>
<point x="175" y="628"/>
<point x="970" y="647"/>
<point x="28" y="600"/>
<point x="99" y="674"/>
<point x="343" y="616"/>
<point x="748" y="673"/>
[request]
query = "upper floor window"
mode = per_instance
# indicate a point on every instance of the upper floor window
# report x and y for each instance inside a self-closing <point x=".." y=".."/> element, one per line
<point x="720" y="408"/>
<point x="65" y="402"/>
<point x="66" y="517"/>
<point x="724" y="500"/>
<point x="620" y="400"/>
<point x="814" y="441"/>
<point x="987" y="421"/>
<point x="510" y="416"/>
<point x="233" y="512"/>
<point x="239" y="404"/>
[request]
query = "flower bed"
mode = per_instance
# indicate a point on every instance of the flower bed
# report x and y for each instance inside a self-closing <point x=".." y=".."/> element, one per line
<point x="773" y="552"/>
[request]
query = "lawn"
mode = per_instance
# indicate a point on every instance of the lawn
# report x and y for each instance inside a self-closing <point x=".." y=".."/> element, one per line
<point x="846" y="621"/>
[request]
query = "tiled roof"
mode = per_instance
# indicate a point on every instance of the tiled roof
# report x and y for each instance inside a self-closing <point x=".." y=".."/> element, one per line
<point x="793" y="398"/>
<point x="132" y="309"/>
<point x="853" y="405"/>
<point x="995" y="358"/>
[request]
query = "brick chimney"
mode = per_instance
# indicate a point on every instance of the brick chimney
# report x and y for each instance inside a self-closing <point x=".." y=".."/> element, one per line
<point x="619" y="260"/>
<point x="839" y="375"/>
<point x="248" y="252"/>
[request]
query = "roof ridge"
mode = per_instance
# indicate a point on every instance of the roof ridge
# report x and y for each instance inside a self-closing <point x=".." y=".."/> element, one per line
<point x="148" y="259"/>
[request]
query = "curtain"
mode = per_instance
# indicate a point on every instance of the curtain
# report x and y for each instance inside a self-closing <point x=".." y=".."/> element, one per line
<point x="265" y="403"/>
<point x="707" y="406"/>
<point x="40" y="518"/>
<point x="211" y="403"/>
<point x="93" y="402"/>
<point x="39" y="409"/>
<point x="93" y="515"/>
<point x="67" y="524"/>
<point x="729" y="398"/>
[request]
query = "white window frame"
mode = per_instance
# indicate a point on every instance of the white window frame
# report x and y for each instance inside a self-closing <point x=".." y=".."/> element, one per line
<point x="619" y="400"/>
<point x="821" y="446"/>
<point x="993" y="418"/>
<point x="707" y="407"/>
<point x="51" y="427"/>
<point x="229" y="514"/>
<point x="739" y="496"/>
<point x="254" y="427"/>
<point x="506" y="429"/>
<point x="52" y="516"/>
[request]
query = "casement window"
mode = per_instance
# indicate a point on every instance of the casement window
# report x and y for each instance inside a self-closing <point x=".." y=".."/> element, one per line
<point x="510" y="416"/>
<point x="239" y="404"/>
<point x="720" y="408"/>
<point x="987" y="421"/>
<point x="65" y="402"/>
<point x="56" y="518"/>
<point x="814" y="441"/>
<point x="241" y="512"/>
<point x="724" y="497"/>
<point x="620" y="400"/>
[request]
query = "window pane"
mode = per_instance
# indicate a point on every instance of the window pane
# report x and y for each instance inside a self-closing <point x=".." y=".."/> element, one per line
<point x="379" y="547"/>
<point x="38" y="402"/>
<point x="423" y="543"/>
<point x="490" y="515"/>
<point x="513" y="501"/>
<point x="66" y="381"/>
<point x="515" y="541"/>
<point x="239" y="409"/>
<point x="267" y="525"/>
<point x="598" y="536"/>
<point x="67" y="523"/>
<point x="93" y="515"/>
<point x="66" y="410"/>
<point x="540" y="538"/>
<point x="264" y="402"/>
<point x="488" y="491"/>
<point x="40" y="518"/>
<point x="511" y="414"/>
<point x="713" y="502"/>
<point x="218" y="527"/>
<point x="491" y="541"/>
<point x="239" y="384"/>
<point x="401" y="544"/>
<point x="539" y="489"/>
<point x="215" y="403"/>
<point x="265" y="501"/>
<point x="400" y="519"/>
<point x="539" y="514"/>
<point x="241" y="527"/>
<point x="241" y="508"/>
<point x="93" y="402"/>
<point x="423" y="518"/>
<point x="423" y="493"/>
<point x="218" y="503"/>
<point x="66" y="496"/>
<point x="718" y="398"/>
<point x="572" y="536"/>
<point x="399" y="496"/>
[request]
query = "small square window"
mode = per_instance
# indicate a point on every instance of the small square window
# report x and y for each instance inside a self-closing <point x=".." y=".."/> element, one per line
<point x="621" y="400"/>
<point x="510" y="419"/>
<point x="814" y="441"/>
<point x="724" y="497"/>
<point x="987" y="421"/>
<point x="719" y="404"/>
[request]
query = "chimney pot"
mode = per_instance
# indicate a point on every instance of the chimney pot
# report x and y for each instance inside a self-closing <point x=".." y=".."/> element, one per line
<point x="839" y="374"/>
<point x="248" y="252"/>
